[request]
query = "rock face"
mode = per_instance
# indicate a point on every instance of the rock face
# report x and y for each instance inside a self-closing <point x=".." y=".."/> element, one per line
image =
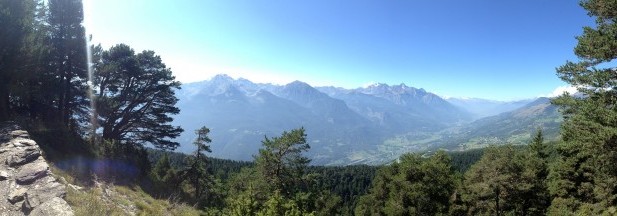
<point x="26" y="184"/>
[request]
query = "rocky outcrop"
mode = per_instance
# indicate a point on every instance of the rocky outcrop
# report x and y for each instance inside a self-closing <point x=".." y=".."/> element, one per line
<point x="26" y="184"/>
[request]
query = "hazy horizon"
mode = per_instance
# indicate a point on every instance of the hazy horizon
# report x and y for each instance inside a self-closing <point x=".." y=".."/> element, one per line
<point x="558" y="91"/>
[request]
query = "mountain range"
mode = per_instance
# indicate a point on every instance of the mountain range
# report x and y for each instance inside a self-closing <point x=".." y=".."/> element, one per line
<point x="373" y="124"/>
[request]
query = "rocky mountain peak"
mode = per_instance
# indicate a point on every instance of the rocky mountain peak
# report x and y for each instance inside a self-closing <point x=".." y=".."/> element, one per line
<point x="385" y="89"/>
<point x="297" y="88"/>
<point x="298" y="84"/>
<point x="222" y="77"/>
<point x="376" y="88"/>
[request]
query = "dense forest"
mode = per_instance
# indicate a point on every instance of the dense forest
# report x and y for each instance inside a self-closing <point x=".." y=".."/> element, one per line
<point x="116" y="107"/>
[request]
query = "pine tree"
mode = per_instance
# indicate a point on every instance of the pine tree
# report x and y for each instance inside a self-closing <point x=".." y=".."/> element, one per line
<point x="18" y="20"/>
<point x="247" y="192"/>
<point x="161" y="167"/>
<point x="281" y="161"/>
<point x="280" y="184"/>
<point x="278" y="205"/>
<point x="374" y="201"/>
<point x="164" y="176"/>
<point x="584" y="179"/>
<point x="505" y="182"/>
<point x="412" y="186"/>
<point x="197" y="171"/>
<point x="68" y="61"/>
<point x="538" y="146"/>
<point x="243" y="203"/>
<point x="537" y="198"/>
<point x="34" y="96"/>
<point x="135" y="98"/>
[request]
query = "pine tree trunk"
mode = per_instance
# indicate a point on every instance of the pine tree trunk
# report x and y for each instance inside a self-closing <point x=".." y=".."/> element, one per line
<point x="497" y="192"/>
<point x="4" y="104"/>
<point x="67" y="101"/>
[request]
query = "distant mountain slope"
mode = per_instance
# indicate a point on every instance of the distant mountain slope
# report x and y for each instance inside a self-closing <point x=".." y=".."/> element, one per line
<point x="418" y="101"/>
<point x="398" y="106"/>
<point x="238" y="119"/>
<point x="334" y="111"/>
<point x="386" y="114"/>
<point x="341" y="124"/>
<point x="241" y="114"/>
<point x="481" y="108"/>
<point x="514" y="127"/>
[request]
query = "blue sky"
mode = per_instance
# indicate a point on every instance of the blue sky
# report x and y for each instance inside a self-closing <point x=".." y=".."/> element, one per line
<point x="475" y="48"/>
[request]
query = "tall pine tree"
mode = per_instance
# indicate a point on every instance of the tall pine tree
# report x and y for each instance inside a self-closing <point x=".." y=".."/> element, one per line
<point x="584" y="179"/>
<point x="282" y="163"/>
<point x="135" y="97"/>
<point x="17" y="21"/>
<point x="197" y="171"/>
<point x="68" y="64"/>
<point x="505" y="182"/>
<point x="412" y="186"/>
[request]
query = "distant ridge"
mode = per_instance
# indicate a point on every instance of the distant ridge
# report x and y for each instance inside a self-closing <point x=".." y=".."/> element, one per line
<point x="372" y="124"/>
<point x="513" y="127"/>
<point x="481" y="108"/>
<point x="339" y="121"/>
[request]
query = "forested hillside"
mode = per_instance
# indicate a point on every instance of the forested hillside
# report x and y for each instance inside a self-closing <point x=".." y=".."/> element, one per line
<point x="346" y="183"/>
<point x="515" y="127"/>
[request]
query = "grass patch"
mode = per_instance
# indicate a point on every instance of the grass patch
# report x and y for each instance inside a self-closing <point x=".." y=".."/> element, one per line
<point x="91" y="202"/>
<point x="122" y="200"/>
<point x="108" y="199"/>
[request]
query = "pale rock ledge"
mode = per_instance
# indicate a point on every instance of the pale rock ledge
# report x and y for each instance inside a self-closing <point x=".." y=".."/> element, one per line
<point x="27" y="186"/>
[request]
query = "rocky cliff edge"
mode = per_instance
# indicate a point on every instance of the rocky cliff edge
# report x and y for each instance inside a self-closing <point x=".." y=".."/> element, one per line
<point x="27" y="187"/>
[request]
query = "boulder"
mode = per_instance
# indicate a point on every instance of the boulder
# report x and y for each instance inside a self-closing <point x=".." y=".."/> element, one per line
<point x="54" y="206"/>
<point x="31" y="172"/>
<point x="23" y="155"/>
<point x="41" y="194"/>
